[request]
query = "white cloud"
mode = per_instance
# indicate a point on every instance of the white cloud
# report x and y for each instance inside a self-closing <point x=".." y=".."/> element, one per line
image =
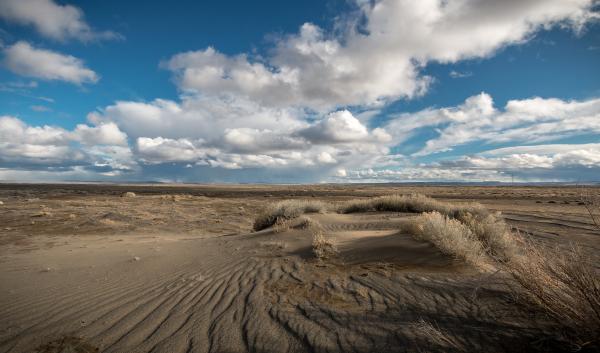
<point x="254" y="140"/>
<point x="532" y="120"/>
<point x="196" y="117"/>
<point x="375" y="60"/>
<point x="55" y="21"/>
<point x="23" y="59"/>
<point x="163" y="150"/>
<point x="102" y="148"/>
<point x="340" y="126"/>
<point x="103" y="134"/>
<point x="537" y="156"/>
<point x="233" y="133"/>
<point x="422" y="173"/>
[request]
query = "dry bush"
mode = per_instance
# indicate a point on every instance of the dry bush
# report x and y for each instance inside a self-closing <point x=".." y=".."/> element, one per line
<point x="281" y="225"/>
<point x="493" y="232"/>
<point x="449" y="236"/>
<point x="285" y="210"/>
<point x="395" y="203"/>
<point x="487" y="230"/>
<point x="437" y="336"/>
<point x="322" y="248"/>
<point x="566" y="286"/>
<point x="305" y="223"/>
<point x="413" y="203"/>
<point x="591" y="202"/>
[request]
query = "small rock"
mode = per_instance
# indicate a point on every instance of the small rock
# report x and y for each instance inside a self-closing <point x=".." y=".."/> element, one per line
<point x="72" y="216"/>
<point x="1" y="203"/>
<point x="136" y="258"/>
<point x="47" y="269"/>
<point x="128" y="194"/>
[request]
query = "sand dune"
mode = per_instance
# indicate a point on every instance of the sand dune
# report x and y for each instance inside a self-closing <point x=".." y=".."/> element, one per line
<point x="240" y="293"/>
<point x="261" y="291"/>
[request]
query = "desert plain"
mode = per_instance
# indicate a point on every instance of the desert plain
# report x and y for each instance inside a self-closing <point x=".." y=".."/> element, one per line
<point x="180" y="268"/>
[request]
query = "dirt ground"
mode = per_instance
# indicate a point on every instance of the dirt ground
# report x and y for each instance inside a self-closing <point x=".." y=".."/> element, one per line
<point x="177" y="268"/>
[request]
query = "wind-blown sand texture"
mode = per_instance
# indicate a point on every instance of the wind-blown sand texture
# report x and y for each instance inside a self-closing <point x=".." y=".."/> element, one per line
<point x="179" y="269"/>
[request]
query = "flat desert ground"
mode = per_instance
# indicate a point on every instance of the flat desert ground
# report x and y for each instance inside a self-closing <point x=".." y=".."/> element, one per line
<point x="178" y="268"/>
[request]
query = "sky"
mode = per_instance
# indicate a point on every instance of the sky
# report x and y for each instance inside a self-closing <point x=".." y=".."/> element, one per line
<point x="300" y="92"/>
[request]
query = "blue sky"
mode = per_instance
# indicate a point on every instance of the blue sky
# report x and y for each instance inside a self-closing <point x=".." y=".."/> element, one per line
<point x="311" y="91"/>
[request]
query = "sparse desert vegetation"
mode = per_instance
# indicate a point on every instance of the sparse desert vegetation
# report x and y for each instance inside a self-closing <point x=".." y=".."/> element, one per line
<point x="285" y="210"/>
<point x="560" y="282"/>
<point x="179" y="266"/>
<point x="565" y="285"/>
<point x="466" y="231"/>
<point x="450" y="236"/>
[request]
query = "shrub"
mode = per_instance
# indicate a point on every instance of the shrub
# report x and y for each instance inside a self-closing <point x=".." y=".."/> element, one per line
<point x="285" y="210"/>
<point x="322" y="248"/>
<point x="449" y="236"/>
<point x="493" y="232"/>
<point x="413" y="203"/>
<point x="433" y="334"/>
<point x="591" y="202"/>
<point x="566" y="286"/>
<point x="395" y="203"/>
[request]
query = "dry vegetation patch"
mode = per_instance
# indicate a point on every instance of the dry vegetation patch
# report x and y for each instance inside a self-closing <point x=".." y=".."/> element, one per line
<point x="322" y="247"/>
<point x="450" y="236"/>
<point x="469" y="227"/>
<point x="566" y="286"/>
<point x="433" y="334"/>
<point x="288" y="209"/>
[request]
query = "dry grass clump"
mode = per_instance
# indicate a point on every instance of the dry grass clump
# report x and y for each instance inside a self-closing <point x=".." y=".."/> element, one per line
<point x="288" y="209"/>
<point x="591" y="202"/>
<point x="566" y="286"/>
<point x="305" y="223"/>
<point x="493" y="232"/>
<point x="486" y="229"/>
<point x="413" y="203"/>
<point x="281" y="225"/>
<point x="434" y="334"/>
<point x="322" y="248"/>
<point x="450" y="236"/>
<point x="395" y="203"/>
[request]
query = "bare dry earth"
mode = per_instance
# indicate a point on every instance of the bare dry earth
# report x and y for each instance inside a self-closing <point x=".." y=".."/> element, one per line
<point x="177" y="269"/>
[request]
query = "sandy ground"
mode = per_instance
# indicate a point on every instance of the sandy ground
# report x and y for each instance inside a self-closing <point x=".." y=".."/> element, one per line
<point x="177" y="269"/>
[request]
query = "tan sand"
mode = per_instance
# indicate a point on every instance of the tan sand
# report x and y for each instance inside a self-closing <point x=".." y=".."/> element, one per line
<point x="125" y="275"/>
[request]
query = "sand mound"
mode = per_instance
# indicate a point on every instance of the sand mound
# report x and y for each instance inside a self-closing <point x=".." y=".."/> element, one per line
<point x="257" y="292"/>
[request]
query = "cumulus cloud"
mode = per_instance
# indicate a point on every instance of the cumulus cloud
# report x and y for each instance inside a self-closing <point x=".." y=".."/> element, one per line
<point x="551" y="162"/>
<point x="55" y="21"/>
<point x="340" y="126"/>
<point x="232" y="133"/>
<point x="101" y="148"/>
<point x="537" y="156"/>
<point x="533" y="120"/>
<point x="23" y="59"/>
<point x="103" y="134"/>
<point x="375" y="60"/>
<point x="162" y="150"/>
